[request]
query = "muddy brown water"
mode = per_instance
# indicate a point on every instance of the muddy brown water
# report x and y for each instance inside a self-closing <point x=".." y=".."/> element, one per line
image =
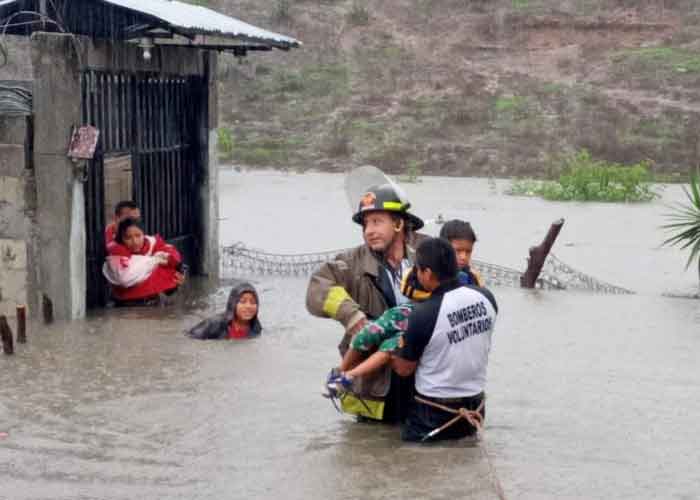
<point x="589" y="396"/>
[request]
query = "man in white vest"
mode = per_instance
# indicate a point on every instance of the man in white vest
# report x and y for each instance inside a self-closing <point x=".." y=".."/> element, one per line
<point x="447" y="346"/>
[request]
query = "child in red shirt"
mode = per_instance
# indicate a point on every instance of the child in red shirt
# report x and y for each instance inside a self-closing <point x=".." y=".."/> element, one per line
<point x="139" y="266"/>
<point x="239" y="321"/>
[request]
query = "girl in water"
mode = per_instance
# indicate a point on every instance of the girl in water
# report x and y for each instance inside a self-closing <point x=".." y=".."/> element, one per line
<point x="238" y="321"/>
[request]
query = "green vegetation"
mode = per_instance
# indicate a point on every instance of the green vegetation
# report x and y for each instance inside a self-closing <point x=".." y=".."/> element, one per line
<point x="659" y="58"/>
<point x="671" y="178"/>
<point x="584" y="179"/>
<point x="510" y="103"/>
<point x="511" y="109"/>
<point x="401" y="90"/>
<point x="685" y="223"/>
<point x="225" y="142"/>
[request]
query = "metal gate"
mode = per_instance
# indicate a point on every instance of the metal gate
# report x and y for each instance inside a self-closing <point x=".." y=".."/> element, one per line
<point x="154" y="118"/>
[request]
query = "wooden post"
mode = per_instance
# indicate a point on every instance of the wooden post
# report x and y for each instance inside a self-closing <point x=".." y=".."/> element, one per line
<point x="539" y="254"/>
<point x="21" y="324"/>
<point x="6" y="334"/>
<point x="47" y="309"/>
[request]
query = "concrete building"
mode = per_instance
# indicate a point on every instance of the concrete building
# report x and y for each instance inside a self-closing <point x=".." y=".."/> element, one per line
<point x="143" y="72"/>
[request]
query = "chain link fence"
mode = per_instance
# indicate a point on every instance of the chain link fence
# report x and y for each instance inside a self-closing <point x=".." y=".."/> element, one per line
<point x="241" y="260"/>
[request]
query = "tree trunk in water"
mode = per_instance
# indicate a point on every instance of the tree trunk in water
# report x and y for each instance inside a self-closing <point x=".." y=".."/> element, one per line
<point x="539" y="254"/>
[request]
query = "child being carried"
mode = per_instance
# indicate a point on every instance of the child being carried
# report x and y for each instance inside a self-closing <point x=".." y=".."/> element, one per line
<point x="140" y="267"/>
<point x="383" y="336"/>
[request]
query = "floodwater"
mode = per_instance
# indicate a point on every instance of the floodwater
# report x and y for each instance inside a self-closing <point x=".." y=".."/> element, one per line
<point x="589" y="396"/>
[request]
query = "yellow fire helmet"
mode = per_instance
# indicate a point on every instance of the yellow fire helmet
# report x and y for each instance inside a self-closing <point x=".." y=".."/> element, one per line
<point x="411" y="287"/>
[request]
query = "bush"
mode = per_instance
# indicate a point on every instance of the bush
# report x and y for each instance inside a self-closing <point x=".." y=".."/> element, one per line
<point x="584" y="179"/>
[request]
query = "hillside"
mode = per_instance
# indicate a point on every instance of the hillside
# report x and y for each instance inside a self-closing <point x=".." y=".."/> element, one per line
<point x="461" y="87"/>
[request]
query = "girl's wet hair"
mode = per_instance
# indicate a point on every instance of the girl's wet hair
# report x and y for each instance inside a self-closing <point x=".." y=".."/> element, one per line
<point x="456" y="229"/>
<point x="124" y="225"/>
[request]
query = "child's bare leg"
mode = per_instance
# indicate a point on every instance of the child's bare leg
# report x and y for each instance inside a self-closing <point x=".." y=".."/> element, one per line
<point x="351" y="359"/>
<point x="370" y="365"/>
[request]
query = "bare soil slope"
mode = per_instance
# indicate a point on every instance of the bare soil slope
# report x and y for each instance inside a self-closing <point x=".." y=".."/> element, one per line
<point x="462" y="87"/>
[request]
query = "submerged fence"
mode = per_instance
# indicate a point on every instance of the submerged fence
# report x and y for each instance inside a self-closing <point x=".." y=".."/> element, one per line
<point x="241" y="260"/>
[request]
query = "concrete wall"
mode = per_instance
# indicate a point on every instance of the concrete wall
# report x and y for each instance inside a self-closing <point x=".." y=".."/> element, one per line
<point x="60" y="200"/>
<point x="210" y="183"/>
<point x="57" y="60"/>
<point x="17" y="198"/>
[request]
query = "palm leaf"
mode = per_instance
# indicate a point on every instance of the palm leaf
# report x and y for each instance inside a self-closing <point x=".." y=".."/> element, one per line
<point x="684" y="221"/>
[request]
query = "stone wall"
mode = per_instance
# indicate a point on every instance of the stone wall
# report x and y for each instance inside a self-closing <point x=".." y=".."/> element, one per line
<point x="17" y="200"/>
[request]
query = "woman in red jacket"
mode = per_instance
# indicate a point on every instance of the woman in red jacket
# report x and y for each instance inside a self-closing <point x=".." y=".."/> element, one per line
<point x="141" y="267"/>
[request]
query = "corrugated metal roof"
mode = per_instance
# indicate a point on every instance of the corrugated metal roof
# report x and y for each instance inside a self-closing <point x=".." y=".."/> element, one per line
<point x="200" y="20"/>
<point x="5" y="7"/>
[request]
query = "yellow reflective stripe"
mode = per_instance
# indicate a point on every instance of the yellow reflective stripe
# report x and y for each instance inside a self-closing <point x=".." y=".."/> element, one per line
<point x="336" y="296"/>
<point x="479" y="280"/>
<point x="351" y="404"/>
<point x="392" y="205"/>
